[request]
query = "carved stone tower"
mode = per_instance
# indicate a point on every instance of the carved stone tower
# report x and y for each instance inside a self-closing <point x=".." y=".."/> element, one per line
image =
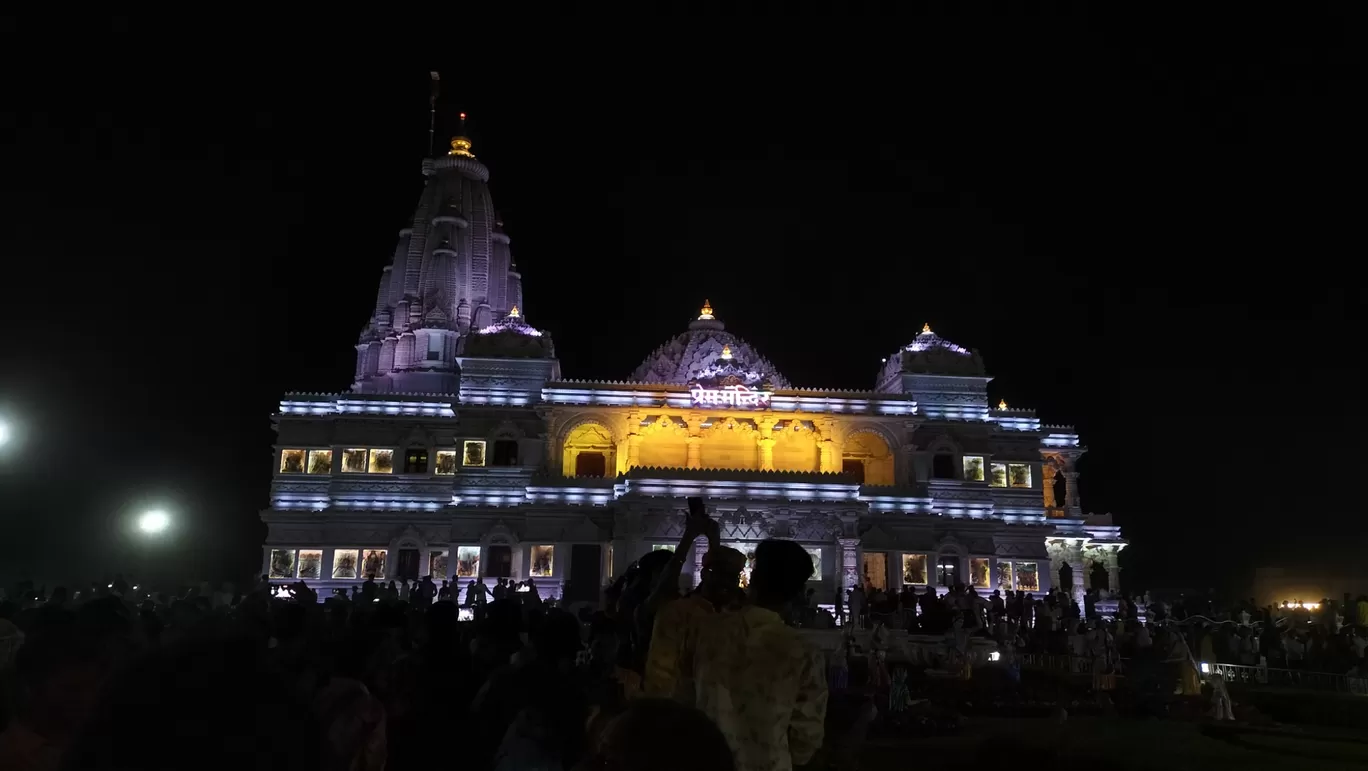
<point x="451" y="272"/>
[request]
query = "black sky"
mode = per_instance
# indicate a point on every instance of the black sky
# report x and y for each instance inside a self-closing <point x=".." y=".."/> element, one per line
<point x="1159" y="247"/>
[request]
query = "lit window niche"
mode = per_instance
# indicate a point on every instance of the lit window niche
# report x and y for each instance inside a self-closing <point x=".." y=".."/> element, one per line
<point x="816" y="555"/>
<point x="354" y="460"/>
<point x="381" y="461"/>
<point x="973" y="468"/>
<point x="473" y="452"/>
<point x="980" y="577"/>
<point x="320" y="461"/>
<point x="1019" y="576"/>
<point x="662" y="547"/>
<point x="914" y="569"/>
<point x="543" y="560"/>
<point x="345" y="562"/>
<point x="1019" y="474"/>
<point x="446" y="462"/>
<point x="310" y="563"/>
<point x="997" y="475"/>
<point x="875" y="567"/>
<point x="748" y="550"/>
<point x="437" y="564"/>
<point x="292" y="461"/>
<point x="373" y="564"/>
<point x="1006" y="580"/>
<point x="467" y="561"/>
<point x="282" y="563"/>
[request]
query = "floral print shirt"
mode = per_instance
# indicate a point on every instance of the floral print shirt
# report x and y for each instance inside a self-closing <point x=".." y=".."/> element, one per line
<point x="764" y="686"/>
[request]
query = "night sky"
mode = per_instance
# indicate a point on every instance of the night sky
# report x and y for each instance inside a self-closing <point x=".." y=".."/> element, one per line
<point x="1160" y="249"/>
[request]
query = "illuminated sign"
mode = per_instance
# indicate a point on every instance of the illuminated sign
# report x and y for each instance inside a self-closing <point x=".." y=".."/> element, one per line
<point x="732" y="396"/>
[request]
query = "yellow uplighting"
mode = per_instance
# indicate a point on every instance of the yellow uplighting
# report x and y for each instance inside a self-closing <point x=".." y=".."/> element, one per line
<point x="513" y="312"/>
<point x="926" y="329"/>
<point x="1002" y="404"/>
<point x="461" y="146"/>
<point x="706" y="313"/>
<point x="726" y="352"/>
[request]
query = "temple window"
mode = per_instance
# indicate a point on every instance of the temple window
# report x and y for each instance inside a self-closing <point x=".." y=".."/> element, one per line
<point x="473" y="452"/>
<point x="500" y="562"/>
<point x="446" y="462"/>
<point x="310" y="563"/>
<point x="947" y="570"/>
<point x="437" y="564"/>
<point x="589" y="450"/>
<point x="416" y="461"/>
<point x="1018" y="575"/>
<point x="591" y="464"/>
<point x="872" y="453"/>
<point x="980" y="577"/>
<point x="875" y="569"/>
<point x="997" y="475"/>
<point x="543" y="561"/>
<point x="854" y="468"/>
<point x="505" y="452"/>
<point x="320" y="461"/>
<point x="943" y="466"/>
<point x="1019" y="474"/>
<point x="373" y="563"/>
<point x="973" y="468"/>
<point x="434" y="351"/>
<point x="816" y="555"/>
<point x="467" y="561"/>
<point x="282" y="563"/>
<point x="345" y="562"/>
<point x="914" y="569"/>
<point x="354" y="460"/>
<point x="292" y="461"/>
<point x="381" y="461"/>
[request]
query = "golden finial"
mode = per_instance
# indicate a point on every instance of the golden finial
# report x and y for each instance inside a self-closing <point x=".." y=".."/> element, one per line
<point x="1002" y="404"/>
<point x="926" y="329"/>
<point x="460" y="144"/>
<point x="513" y="312"/>
<point x="726" y="352"/>
<point x="706" y="313"/>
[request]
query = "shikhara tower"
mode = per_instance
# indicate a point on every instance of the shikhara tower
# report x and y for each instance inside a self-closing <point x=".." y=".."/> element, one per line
<point x="462" y="453"/>
<point x="452" y="271"/>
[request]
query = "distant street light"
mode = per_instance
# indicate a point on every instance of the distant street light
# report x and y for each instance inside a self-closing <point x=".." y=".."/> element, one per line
<point x="154" y="521"/>
<point x="4" y="432"/>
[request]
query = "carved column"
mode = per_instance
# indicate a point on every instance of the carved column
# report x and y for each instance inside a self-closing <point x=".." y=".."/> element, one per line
<point x="700" y="550"/>
<point x="850" y="563"/>
<point x="1071" y="491"/>
<point x="827" y="449"/>
<point x="766" y="453"/>
<point x="633" y="450"/>
<point x="1047" y="472"/>
<point x="1075" y="558"/>
<point x="1113" y="573"/>
<point x="694" y="420"/>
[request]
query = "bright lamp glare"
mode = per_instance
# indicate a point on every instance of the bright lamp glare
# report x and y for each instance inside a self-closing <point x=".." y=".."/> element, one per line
<point x="4" y="433"/>
<point x="153" y="522"/>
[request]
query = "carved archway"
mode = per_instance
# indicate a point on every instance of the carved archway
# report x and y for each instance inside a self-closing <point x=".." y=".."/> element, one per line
<point x="872" y="449"/>
<point x="588" y="447"/>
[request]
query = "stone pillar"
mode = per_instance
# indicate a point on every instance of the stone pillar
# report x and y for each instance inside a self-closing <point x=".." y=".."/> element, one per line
<point x="1071" y="491"/>
<point x="827" y="449"/>
<point x="695" y="459"/>
<point x="1047" y="474"/>
<point x="633" y="451"/>
<point x="766" y="453"/>
<point x="1113" y="573"/>
<point x="850" y="564"/>
<point x="326" y="566"/>
<point x="699" y="551"/>
<point x="1076" y="566"/>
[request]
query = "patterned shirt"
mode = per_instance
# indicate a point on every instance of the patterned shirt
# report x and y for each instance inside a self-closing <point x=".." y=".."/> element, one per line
<point x="763" y="685"/>
<point x="669" y="663"/>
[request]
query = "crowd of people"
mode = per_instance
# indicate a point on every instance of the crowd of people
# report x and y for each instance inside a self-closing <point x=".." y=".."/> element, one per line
<point x="389" y="677"/>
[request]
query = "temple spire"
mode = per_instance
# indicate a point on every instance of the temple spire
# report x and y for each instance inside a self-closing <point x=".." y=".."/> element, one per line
<point x="432" y="109"/>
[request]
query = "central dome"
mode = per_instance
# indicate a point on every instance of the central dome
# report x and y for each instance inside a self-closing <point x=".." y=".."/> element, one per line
<point x="711" y="355"/>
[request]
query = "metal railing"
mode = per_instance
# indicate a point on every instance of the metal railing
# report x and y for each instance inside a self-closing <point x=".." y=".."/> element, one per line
<point x="1268" y="677"/>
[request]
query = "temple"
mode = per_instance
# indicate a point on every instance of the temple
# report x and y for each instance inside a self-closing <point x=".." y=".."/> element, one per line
<point x="461" y="451"/>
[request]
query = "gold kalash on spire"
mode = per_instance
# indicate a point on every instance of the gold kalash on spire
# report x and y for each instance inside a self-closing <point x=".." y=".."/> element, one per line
<point x="460" y="144"/>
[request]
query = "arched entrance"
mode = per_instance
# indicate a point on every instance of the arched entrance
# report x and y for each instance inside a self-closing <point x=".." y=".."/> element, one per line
<point x="589" y="451"/>
<point x="1065" y="578"/>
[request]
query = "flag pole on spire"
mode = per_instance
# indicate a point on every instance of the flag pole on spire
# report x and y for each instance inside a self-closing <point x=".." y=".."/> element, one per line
<point x="432" y="109"/>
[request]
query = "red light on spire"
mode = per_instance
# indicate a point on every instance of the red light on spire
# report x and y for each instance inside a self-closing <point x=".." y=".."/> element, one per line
<point x="462" y="116"/>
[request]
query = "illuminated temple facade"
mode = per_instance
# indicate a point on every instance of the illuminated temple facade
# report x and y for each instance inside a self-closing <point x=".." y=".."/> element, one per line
<point x="463" y="453"/>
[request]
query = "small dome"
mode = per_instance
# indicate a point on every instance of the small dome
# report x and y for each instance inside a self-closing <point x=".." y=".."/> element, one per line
<point x="510" y="337"/>
<point x="707" y="353"/>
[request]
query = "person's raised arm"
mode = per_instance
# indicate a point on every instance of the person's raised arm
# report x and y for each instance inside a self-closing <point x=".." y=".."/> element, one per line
<point x="695" y="524"/>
